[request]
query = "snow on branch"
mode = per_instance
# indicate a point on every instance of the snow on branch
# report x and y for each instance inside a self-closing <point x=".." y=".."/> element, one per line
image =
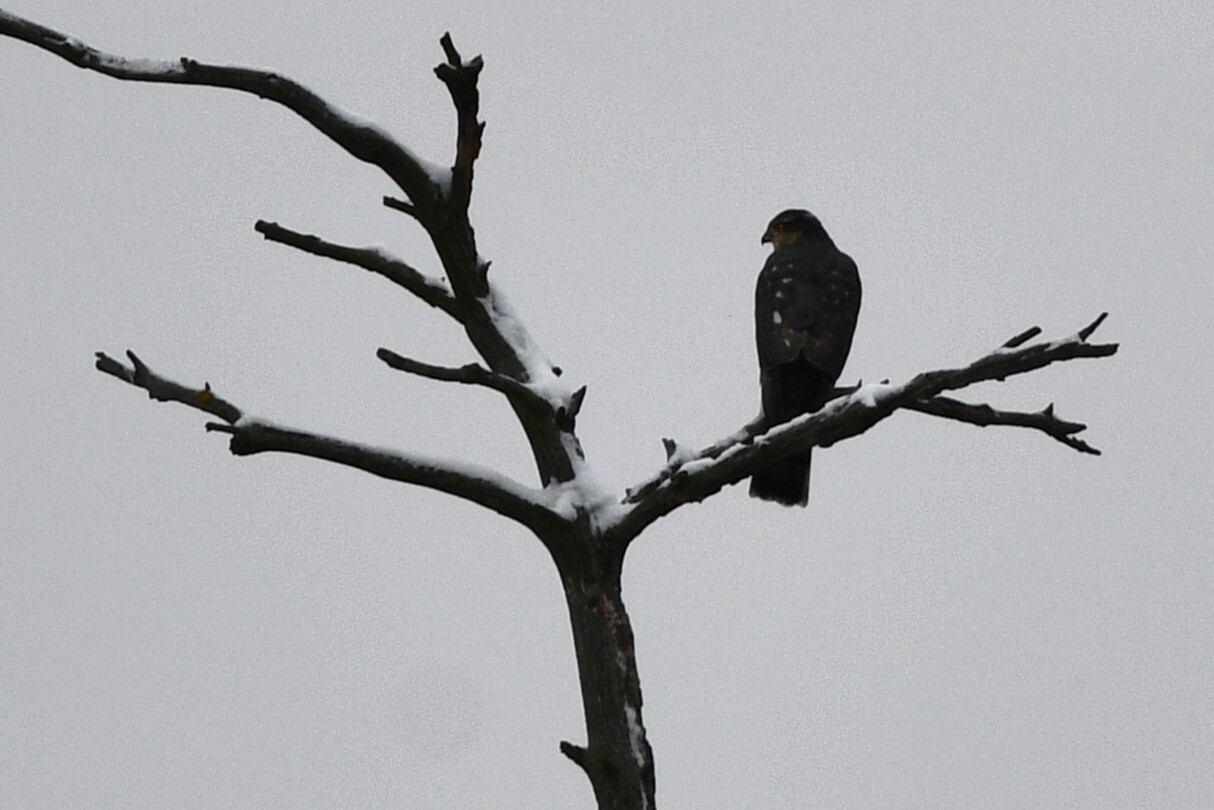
<point x="431" y="290"/>
<point x="693" y="477"/>
<point x="472" y="483"/>
<point x="539" y="374"/>
<point x="165" y="390"/>
<point x="422" y="182"/>
<point x="530" y="507"/>
<point x="436" y="197"/>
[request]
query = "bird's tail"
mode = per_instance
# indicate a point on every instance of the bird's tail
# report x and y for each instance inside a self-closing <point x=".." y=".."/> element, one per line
<point x="786" y="481"/>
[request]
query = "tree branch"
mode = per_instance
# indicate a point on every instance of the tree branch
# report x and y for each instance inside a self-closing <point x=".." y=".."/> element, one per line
<point x="165" y="390"/>
<point x="1026" y="335"/>
<point x="984" y="415"/>
<point x="431" y="290"/>
<point x="421" y="181"/>
<point x="461" y="77"/>
<point x="403" y="206"/>
<point x="694" y="477"/>
<point x="437" y="198"/>
<point x="478" y="485"/>
<point x="577" y="754"/>
<point x="470" y="374"/>
<point x="471" y="483"/>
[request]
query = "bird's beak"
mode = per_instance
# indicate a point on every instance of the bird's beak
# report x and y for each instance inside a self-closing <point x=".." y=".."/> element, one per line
<point x="766" y="238"/>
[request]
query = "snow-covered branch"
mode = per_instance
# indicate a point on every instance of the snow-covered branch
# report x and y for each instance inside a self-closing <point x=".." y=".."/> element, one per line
<point x="165" y="390"/>
<point x="419" y="180"/>
<point x="431" y="290"/>
<point x="472" y="483"/>
<point x="530" y="507"/>
<point x="694" y="476"/>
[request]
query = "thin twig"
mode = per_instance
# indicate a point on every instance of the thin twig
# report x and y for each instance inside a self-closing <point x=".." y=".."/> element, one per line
<point x="404" y="206"/>
<point x="576" y="753"/>
<point x="1026" y="335"/>
<point x="1087" y="331"/>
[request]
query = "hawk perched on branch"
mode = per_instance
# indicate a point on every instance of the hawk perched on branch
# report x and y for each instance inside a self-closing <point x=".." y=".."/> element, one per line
<point x="806" y="304"/>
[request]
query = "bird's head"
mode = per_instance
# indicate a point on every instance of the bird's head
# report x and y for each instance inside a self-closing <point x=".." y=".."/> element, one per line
<point x="791" y="225"/>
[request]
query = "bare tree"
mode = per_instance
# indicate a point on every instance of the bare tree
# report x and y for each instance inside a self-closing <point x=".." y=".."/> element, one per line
<point x="585" y="526"/>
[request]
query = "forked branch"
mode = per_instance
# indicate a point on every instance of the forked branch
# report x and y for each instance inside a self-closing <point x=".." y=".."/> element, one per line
<point x="692" y="477"/>
<point x="165" y="390"/>
<point x="250" y="436"/>
<point x="984" y="415"/>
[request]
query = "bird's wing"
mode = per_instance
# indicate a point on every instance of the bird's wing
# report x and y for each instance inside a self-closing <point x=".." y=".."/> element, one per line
<point x="806" y="304"/>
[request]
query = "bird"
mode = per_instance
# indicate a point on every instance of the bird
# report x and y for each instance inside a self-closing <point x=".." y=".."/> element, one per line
<point x="807" y="302"/>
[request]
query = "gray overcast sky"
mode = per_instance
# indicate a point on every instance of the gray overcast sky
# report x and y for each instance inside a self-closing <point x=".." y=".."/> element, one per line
<point x="962" y="618"/>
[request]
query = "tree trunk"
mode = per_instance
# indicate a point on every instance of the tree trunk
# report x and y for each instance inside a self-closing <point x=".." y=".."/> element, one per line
<point x="617" y="757"/>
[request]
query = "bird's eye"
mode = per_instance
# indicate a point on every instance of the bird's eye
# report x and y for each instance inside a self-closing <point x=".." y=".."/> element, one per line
<point x="779" y="226"/>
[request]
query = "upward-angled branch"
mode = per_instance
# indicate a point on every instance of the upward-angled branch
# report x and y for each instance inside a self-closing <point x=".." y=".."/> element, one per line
<point x="365" y="141"/>
<point x="470" y="374"/>
<point x="431" y="290"/>
<point x="455" y="239"/>
<point x="693" y="477"/>
<point x="460" y="77"/>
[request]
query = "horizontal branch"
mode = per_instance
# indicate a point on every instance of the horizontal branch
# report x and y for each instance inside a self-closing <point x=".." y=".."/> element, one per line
<point x="165" y="390"/>
<point x="692" y="477"/>
<point x="423" y="183"/>
<point x="984" y="416"/>
<point x="478" y="485"/>
<point x="431" y="290"/>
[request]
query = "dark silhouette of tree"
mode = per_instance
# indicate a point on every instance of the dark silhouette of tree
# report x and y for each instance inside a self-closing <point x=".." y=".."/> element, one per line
<point x="585" y="527"/>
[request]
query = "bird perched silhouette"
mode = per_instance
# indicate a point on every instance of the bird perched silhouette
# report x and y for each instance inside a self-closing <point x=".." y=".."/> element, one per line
<point x="807" y="302"/>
